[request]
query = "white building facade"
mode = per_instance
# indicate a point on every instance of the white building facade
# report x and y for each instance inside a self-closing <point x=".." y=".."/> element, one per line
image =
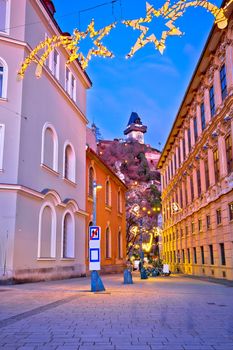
<point x="42" y="151"/>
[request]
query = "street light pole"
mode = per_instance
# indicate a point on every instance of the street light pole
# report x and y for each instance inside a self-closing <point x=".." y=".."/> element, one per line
<point x="94" y="203"/>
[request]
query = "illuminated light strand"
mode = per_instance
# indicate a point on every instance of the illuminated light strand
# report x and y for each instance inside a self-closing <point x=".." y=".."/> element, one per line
<point x="172" y="13"/>
<point x="71" y="44"/>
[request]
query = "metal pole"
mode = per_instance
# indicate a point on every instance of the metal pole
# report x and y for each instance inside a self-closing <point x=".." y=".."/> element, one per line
<point x="94" y="203"/>
<point x="96" y="282"/>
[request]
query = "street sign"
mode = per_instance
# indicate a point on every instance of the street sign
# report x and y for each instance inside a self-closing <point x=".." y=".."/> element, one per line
<point x="94" y="248"/>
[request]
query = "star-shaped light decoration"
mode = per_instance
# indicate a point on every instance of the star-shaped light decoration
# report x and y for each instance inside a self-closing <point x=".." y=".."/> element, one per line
<point x="48" y="46"/>
<point x="71" y="44"/>
<point x="172" y="12"/>
<point x="100" y="49"/>
<point x="143" y="39"/>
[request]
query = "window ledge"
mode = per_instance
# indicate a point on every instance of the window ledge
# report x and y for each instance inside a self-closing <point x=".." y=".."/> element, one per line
<point x="67" y="259"/>
<point x="46" y="259"/>
<point x="72" y="183"/>
<point x="3" y="99"/>
<point x="1" y="170"/>
<point x="46" y="167"/>
<point x="107" y="207"/>
<point x="90" y="199"/>
<point x="119" y="214"/>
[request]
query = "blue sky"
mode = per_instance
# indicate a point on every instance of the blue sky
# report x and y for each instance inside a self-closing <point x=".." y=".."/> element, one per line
<point x="151" y="84"/>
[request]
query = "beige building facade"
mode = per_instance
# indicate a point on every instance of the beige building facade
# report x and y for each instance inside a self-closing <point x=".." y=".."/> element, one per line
<point x="197" y="167"/>
<point x="42" y="151"/>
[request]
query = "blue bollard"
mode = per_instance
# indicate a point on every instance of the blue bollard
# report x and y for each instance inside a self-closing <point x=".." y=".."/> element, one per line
<point x="96" y="282"/>
<point x="128" y="277"/>
<point x="144" y="275"/>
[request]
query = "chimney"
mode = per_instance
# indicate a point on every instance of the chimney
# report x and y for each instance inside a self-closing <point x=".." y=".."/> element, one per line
<point x="50" y="6"/>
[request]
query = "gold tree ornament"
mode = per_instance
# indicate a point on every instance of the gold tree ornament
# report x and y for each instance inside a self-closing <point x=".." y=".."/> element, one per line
<point x="172" y="13"/>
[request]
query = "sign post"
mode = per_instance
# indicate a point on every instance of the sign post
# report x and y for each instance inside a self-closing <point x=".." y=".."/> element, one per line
<point x="94" y="258"/>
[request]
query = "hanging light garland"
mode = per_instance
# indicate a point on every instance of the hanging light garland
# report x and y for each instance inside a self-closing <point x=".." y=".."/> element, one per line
<point x="172" y="13"/>
<point x="71" y="43"/>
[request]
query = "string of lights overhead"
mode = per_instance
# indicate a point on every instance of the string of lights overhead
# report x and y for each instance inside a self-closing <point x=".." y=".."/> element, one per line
<point x="170" y="12"/>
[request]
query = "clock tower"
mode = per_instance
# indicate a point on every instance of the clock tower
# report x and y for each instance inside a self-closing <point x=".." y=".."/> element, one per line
<point x="135" y="130"/>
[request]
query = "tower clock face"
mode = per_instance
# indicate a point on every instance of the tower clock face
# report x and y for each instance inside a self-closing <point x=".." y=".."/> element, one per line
<point x="140" y="137"/>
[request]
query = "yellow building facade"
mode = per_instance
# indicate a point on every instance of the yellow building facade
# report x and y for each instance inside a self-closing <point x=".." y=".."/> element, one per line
<point x="197" y="167"/>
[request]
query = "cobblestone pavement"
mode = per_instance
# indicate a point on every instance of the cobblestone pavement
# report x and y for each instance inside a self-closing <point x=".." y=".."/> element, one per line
<point x="162" y="313"/>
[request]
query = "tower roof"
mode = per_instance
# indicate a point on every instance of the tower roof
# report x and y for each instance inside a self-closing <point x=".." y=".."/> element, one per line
<point x="134" y="119"/>
<point x="135" y="124"/>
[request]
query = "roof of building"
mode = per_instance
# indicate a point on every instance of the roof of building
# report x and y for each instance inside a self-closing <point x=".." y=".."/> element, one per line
<point x="210" y="45"/>
<point x="94" y="155"/>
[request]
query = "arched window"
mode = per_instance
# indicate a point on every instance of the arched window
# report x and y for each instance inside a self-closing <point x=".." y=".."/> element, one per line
<point x="49" y="152"/>
<point x="119" y="245"/>
<point x="90" y="182"/>
<point x="68" y="236"/>
<point x="47" y="232"/>
<point x="3" y="78"/>
<point x="108" y="193"/>
<point x="108" y="243"/>
<point x="119" y="202"/>
<point x="69" y="163"/>
<point x="4" y="16"/>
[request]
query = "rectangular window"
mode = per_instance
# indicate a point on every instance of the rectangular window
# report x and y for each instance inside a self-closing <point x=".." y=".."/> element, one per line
<point x="179" y="158"/>
<point x="175" y="163"/>
<point x="73" y="88"/>
<point x="188" y="255"/>
<point x="184" y="150"/>
<point x="199" y="225"/>
<point x="223" y="81"/>
<point x="174" y="256"/>
<point x="191" y="187"/>
<point x="229" y="155"/>
<point x="195" y="128"/>
<point x="186" y="230"/>
<point x="207" y="176"/>
<point x="212" y="103"/>
<point x="2" y="132"/>
<point x="183" y="256"/>
<point x="198" y="182"/>
<point x="178" y="256"/>
<point x="189" y="140"/>
<point x="211" y="254"/>
<point x="186" y="192"/>
<point x="222" y="252"/>
<point x="208" y="221"/>
<point x="171" y="167"/>
<point x="1" y="79"/>
<point x="216" y="166"/>
<point x="219" y="216"/>
<point x="192" y="227"/>
<point x="202" y="255"/>
<point x="67" y="81"/>
<point x="181" y="198"/>
<point x="4" y="16"/>
<point x="230" y="206"/>
<point x="195" y="255"/>
<point x="54" y="63"/>
<point x="203" y="124"/>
